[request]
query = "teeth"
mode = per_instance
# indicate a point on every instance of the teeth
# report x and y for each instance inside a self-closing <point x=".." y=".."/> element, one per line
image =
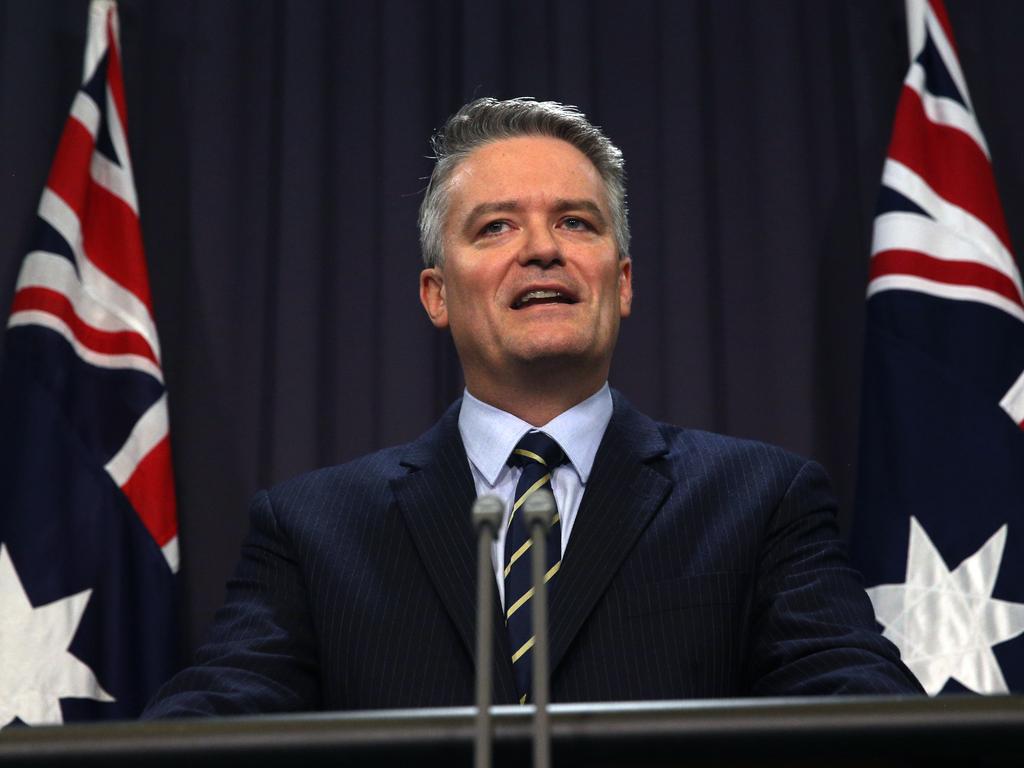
<point x="535" y="295"/>
<point x="541" y="295"/>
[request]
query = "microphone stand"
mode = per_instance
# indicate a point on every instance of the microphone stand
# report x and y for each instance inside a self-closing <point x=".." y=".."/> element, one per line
<point x="538" y="512"/>
<point x="487" y="514"/>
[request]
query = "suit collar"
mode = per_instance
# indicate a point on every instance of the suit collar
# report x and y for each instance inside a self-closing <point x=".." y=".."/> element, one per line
<point x="624" y="493"/>
<point x="435" y="498"/>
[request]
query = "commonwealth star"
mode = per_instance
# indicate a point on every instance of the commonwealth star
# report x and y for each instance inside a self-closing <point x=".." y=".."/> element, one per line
<point x="946" y="622"/>
<point x="37" y="669"/>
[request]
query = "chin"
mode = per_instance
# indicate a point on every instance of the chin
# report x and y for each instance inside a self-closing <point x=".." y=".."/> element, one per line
<point x="544" y="353"/>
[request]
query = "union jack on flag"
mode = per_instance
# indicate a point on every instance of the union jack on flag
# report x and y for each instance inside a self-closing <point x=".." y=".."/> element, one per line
<point x="88" y="527"/>
<point x="939" y="526"/>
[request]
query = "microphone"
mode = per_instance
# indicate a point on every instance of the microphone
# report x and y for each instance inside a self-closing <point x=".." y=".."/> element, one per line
<point x="487" y="514"/>
<point x="538" y="512"/>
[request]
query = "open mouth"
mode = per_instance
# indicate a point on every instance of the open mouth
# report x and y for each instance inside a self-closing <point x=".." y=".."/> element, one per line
<point x="542" y="296"/>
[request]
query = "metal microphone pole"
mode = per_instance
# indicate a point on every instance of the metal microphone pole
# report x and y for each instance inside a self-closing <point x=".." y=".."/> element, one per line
<point x="487" y="514"/>
<point x="538" y="511"/>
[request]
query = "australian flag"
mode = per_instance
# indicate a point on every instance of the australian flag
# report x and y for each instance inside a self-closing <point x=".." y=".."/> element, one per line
<point x="88" y="528"/>
<point x="939" y="526"/>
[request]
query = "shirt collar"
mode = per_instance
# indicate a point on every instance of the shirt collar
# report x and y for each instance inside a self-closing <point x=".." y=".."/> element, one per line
<point x="490" y="433"/>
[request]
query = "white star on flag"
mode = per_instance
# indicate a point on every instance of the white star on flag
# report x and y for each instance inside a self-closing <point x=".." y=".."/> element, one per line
<point x="37" y="669"/>
<point x="945" y="623"/>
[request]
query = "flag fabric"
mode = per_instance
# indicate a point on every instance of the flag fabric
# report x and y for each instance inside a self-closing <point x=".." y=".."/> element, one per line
<point x="88" y="527"/>
<point x="939" y="525"/>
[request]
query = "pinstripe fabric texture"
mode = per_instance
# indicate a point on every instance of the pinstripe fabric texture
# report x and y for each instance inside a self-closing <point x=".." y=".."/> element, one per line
<point x="699" y="566"/>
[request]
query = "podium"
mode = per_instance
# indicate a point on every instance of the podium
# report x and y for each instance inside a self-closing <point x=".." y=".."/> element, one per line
<point x="862" y="731"/>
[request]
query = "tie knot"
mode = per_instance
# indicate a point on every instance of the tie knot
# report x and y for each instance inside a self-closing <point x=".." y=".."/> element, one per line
<point x="538" y="448"/>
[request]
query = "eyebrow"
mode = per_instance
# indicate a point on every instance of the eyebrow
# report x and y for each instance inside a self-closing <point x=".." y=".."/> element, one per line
<point x="500" y="206"/>
<point x="560" y="206"/>
<point x="584" y="204"/>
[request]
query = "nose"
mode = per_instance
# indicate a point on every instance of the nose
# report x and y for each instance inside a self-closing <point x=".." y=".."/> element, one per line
<point x="540" y="248"/>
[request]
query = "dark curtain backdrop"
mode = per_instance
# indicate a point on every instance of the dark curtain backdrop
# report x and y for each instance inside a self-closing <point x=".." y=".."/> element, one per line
<point x="280" y="150"/>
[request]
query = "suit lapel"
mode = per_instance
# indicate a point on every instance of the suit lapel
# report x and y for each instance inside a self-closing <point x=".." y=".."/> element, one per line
<point x="622" y="495"/>
<point x="435" y="498"/>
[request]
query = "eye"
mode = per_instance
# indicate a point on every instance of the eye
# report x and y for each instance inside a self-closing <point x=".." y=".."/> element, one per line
<point x="576" y="224"/>
<point x="494" y="228"/>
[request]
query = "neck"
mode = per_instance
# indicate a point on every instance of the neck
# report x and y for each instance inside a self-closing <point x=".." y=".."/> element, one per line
<point x="542" y="396"/>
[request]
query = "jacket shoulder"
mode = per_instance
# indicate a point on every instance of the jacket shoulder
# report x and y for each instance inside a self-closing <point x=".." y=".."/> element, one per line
<point x="691" y="448"/>
<point x="364" y="482"/>
<point x="717" y="447"/>
<point x="367" y="475"/>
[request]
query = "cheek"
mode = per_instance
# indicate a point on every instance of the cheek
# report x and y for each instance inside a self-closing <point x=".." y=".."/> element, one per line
<point x="611" y="290"/>
<point x="468" y="300"/>
<point x="480" y="289"/>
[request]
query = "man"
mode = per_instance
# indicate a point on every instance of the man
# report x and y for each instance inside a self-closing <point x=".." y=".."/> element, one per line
<point x="684" y="564"/>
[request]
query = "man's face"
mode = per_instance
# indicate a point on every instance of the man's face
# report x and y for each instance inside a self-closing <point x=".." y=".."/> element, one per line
<point x="531" y="272"/>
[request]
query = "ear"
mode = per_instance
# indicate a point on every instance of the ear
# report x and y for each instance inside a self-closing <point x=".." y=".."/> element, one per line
<point x="625" y="286"/>
<point x="432" y="296"/>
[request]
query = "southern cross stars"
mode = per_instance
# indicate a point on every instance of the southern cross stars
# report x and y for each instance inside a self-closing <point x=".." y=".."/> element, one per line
<point x="37" y="669"/>
<point x="946" y="622"/>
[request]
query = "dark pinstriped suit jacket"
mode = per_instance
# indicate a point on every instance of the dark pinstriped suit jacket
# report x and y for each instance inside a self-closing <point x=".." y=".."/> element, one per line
<point x="699" y="566"/>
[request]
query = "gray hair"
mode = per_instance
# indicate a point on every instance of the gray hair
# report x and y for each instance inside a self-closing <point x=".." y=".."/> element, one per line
<point x="487" y="120"/>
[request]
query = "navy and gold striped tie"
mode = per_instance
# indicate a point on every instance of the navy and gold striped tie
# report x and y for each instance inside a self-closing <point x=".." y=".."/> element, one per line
<point x="538" y="455"/>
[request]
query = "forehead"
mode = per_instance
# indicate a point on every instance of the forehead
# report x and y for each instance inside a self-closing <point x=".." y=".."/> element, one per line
<point x="528" y="169"/>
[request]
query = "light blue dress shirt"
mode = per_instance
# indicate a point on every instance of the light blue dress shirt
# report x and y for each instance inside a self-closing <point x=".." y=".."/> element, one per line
<point x="490" y="434"/>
